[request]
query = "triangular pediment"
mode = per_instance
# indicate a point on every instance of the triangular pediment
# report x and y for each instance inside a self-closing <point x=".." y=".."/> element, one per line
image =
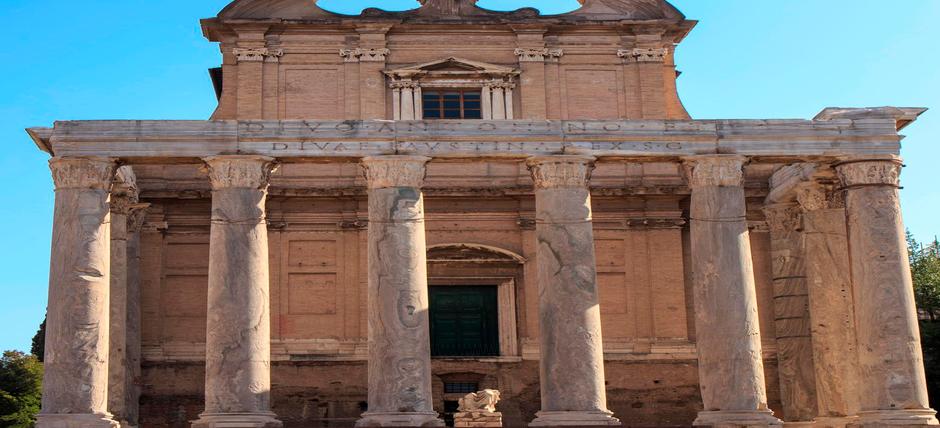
<point x="455" y="65"/>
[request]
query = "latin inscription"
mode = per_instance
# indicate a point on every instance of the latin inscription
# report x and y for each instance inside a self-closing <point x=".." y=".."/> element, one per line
<point x="472" y="138"/>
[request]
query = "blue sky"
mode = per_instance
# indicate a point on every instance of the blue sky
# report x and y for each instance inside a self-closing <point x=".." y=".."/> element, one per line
<point x="136" y="59"/>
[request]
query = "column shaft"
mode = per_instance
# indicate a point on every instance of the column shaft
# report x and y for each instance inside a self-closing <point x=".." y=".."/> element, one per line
<point x="238" y="331"/>
<point x="832" y="309"/>
<point x="791" y="314"/>
<point x="399" y="325"/>
<point x="124" y="363"/>
<point x="499" y="102"/>
<point x="75" y="384"/>
<point x="891" y="367"/>
<point x="571" y="344"/>
<point x="731" y="369"/>
<point x="133" y="326"/>
<point x="486" y="102"/>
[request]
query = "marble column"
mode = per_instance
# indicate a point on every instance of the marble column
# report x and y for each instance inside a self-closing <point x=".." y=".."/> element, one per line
<point x="238" y="331"/>
<point x="572" y="352"/>
<point x="731" y="371"/>
<point x="399" y="326"/>
<point x="75" y="384"/>
<point x="124" y="361"/>
<point x="891" y="366"/>
<point x="832" y="309"/>
<point x="795" y="369"/>
<point x="135" y="222"/>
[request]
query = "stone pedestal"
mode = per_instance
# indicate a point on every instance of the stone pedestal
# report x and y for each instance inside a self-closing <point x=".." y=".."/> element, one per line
<point x="829" y="283"/>
<point x="891" y="366"/>
<point x="478" y="420"/>
<point x="238" y="333"/>
<point x="75" y="384"/>
<point x="399" y="330"/>
<point x="572" y="354"/>
<point x="731" y="369"/>
<point x="124" y="362"/>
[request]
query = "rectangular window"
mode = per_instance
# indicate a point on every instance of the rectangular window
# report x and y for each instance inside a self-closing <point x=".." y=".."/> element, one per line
<point x="461" y="387"/>
<point x="452" y="104"/>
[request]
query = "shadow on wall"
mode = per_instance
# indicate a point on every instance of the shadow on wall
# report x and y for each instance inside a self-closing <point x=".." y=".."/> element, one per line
<point x="930" y="341"/>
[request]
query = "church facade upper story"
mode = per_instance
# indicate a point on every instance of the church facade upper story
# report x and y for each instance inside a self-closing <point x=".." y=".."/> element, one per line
<point x="610" y="59"/>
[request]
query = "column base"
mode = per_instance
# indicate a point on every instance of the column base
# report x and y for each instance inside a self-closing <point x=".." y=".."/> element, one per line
<point x="75" y="421"/>
<point x="237" y="420"/>
<point x="733" y="419"/>
<point x="574" y="419"/>
<point x="835" y="421"/>
<point x="396" y="419"/>
<point x="896" y="418"/>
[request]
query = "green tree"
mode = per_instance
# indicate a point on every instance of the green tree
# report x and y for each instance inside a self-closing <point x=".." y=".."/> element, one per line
<point x="20" y="389"/>
<point x="925" y="270"/>
<point x="39" y="342"/>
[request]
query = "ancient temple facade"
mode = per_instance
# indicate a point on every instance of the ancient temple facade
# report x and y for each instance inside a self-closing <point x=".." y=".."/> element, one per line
<point x="388" y="211"/>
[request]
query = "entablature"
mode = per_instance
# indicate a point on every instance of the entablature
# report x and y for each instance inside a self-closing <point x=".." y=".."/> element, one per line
<point x="167" y="142"/>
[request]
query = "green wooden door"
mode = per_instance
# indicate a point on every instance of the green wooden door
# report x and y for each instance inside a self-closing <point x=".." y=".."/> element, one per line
<point x="464" y="322"/>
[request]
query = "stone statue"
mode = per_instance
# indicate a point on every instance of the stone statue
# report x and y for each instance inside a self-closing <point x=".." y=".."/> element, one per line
<point x="483" y="401"/>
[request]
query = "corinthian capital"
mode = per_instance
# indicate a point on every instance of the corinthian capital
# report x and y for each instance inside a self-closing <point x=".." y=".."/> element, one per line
<point x="868" y="172"/>
<point x="395" y="171"/>
<point x="817" y="196"/>
<point x="550" y="172"/>
<point x="257" y="54"/>
<point x="82" y="173"/>
<point x="718" y="170"/>
<point x="537" y="55"/>
<point x="252" y="172"/>
<point x="644" y="54"/>
<point x="783" y="217"/>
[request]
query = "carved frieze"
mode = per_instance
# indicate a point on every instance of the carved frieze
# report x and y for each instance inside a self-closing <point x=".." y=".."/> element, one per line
<point x="364" y="55"/>
<point x="538" y="55"/>
<point x="870" y="172"/>
<point x="549" y="172"/>
<point x="257" y="54"/>
<point x="395" y="171"/>
<point x="82" y="173"/>
<point x="643" y="54"/>
<point x="724" y="171"/>
<point x="253" y="172"/>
